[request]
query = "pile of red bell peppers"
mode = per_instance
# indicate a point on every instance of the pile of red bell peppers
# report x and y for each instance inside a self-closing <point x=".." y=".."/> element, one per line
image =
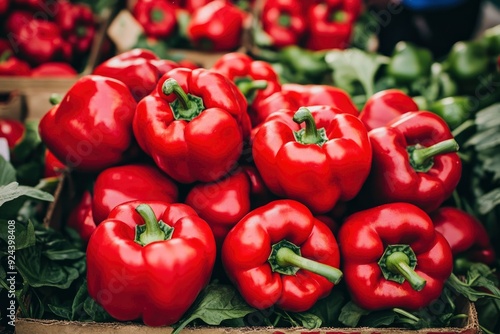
<point x="287" y="191"/>
<point x="45" y="37"/>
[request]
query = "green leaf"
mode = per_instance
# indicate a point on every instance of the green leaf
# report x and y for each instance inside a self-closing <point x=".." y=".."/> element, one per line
<point x="328" y="309"/>
<point x="61" y="249"/>
<point x="378" y="319"/>
<point x="307" y="320"/>
<point x="95" y="311"/>
<point x="351" y="314"/>
<point x="489" y="201"/>
<point x="488" y="117"/>
<point x="77" y="307"/>
<point x="353" y="65"/>
<point x="7" y="172"/>
<point x="216" y="303"/>
<point x="13" y="190"/>
<point x="24" y="233"/>
<point x="62" y="311"/>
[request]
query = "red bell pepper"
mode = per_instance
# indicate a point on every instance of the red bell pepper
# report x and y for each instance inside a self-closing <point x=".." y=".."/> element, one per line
<point x="274" y="102"/>
<point x="217" y="26"/>
<point x="150" y="263"/>
<point x="157" y="17"/>
<point x="165" y="65"/>
<point x="194" y="125"/>
<point x="255" y="78"/>
<point x="135" y="68"/>
<point x="467" y="236"/>
<point x="284" y="21"/>
<point x="414" y="161"/>
<point x="331" y="24"/>
<point x="312" y="95"/>
<point x="11" y="66"/>
<point x="280" y="255"/>
<point x="4" y="6"/>
<point x="224" y="202"/>
<point x="14" y="21"/>
<point x="77" y="24"/>
<point x="12" y="130"/>
<point x="91" y="128"/>
<point x="318" y="165"/>
<point x="54" y="69"/>
<point x="382" y="107"/>
<point x="80" y="218"/>
<point x="52" y="166"/>
<point x="393" y="257"/>
<point x="120" y="184"/>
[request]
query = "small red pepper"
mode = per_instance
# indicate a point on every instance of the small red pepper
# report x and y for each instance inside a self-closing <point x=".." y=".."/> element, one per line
<point x="466" y="235"/>
<point x="11" y="66"/>
<point x="77" y="24"/>
<point x="150" y="262"/>
<point x="312" y="95"/>
<point x="194" y="125"/>
<point x="382" y="107"/>
<point x="80" y="218"/>
<point x="91" y="128"/>
<point x="224" y="202"/>
<point x="317" y="165"/>
<point x="4" y="6"/>
<point x="280" y="255"/>
<point x="52" y="166"/>
<point x="12" y="130"/>
<point x="217" y="26"/>
<point x="136" y="68"/>
<point x="393" y="257"/>
<point x="284" y="22"/>
<point x="54" y="69"/>
<point x="255" y="78"/>
<point x="331" y="24"/>
<point x="157" y="17"/>
<point x="120" y="184"/>
<point x="414" y="161"/>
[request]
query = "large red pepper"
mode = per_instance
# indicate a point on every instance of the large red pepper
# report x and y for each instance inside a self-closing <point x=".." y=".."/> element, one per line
<point x="150" y="262"/>
<point x="12" y="66"/>
<point x="91" y="128"/>
<point x="382" y="107"/>
<point x="77" y="24"/>
<point x="255" y="78"/>
<point x="331" y="24"/>
<point x="135" y="68"/>
<point x="119" y="184"/>
<point x="12" y="130"/>
<point x="393" y="257"/>
<point x="414" y="161"/>
<point x="312" y="95"/>
<point x="217" y="26"/>
<point x="318" y="165"/>
<point x="224" y="202"/>
<point x="194" y="125"/>
<point x="284" y="22"/>
<point x="280" y="255"/>
<point x="466" y="235"/>
<point x="157" y="17"/>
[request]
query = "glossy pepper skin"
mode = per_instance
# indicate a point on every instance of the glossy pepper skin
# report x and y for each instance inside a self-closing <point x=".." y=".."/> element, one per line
<point x="284" y="22"/>
<point x="467" y="236"/>
<point x="12" y="66"/>
<point x="255" y="78"/>
<point x="77" y="24"/>
<point x="312" y="95"/>
<point x="224" y="202"/>
<point x="217" y="26"/>
<point x="331" y="24"/>
<point x="393" y="257"/>
<point x="194" y="125"/>
<point x="453" y="109"/>
<point x="91" y="128"/>
<point x="52" y="166"/>
<point x="318" y="165"/>
<point x="138" y="181"/>
<point x="54" y="69"/>
<point x="260" y="256"/>
<point x="80" y="218"/>
<point x="135" y="68"/>
<point x="157" y="17"/>
<point x="382" y="107"/>
<point x="274" y="102"/>
<point x="409" y="62"/>
<point x="12" y="130"/>
<point x="163" y="255"/>
<point x="414" y="161"/>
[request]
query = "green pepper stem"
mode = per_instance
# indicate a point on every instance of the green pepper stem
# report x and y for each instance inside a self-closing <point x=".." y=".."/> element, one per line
<point x="5" y="56"/>
<point x="398" y="263"/>
<point x="339" y="16"/>
<point x="152" y="232"/>
<point x="310" y="135"/>
<point x="172" y="86"/>
<point x="248" y="87"/>
<point x="55" y="99"/>
<point x="420" y="157"/>
<point x="157" y="15"/>
<point x="286" y="257"/>
<point x="186" y="106"/>
<point x="284" y="20"/>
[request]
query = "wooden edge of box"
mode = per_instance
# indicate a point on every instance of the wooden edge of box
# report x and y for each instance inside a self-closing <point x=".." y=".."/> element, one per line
<point x="35" y="326"/>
